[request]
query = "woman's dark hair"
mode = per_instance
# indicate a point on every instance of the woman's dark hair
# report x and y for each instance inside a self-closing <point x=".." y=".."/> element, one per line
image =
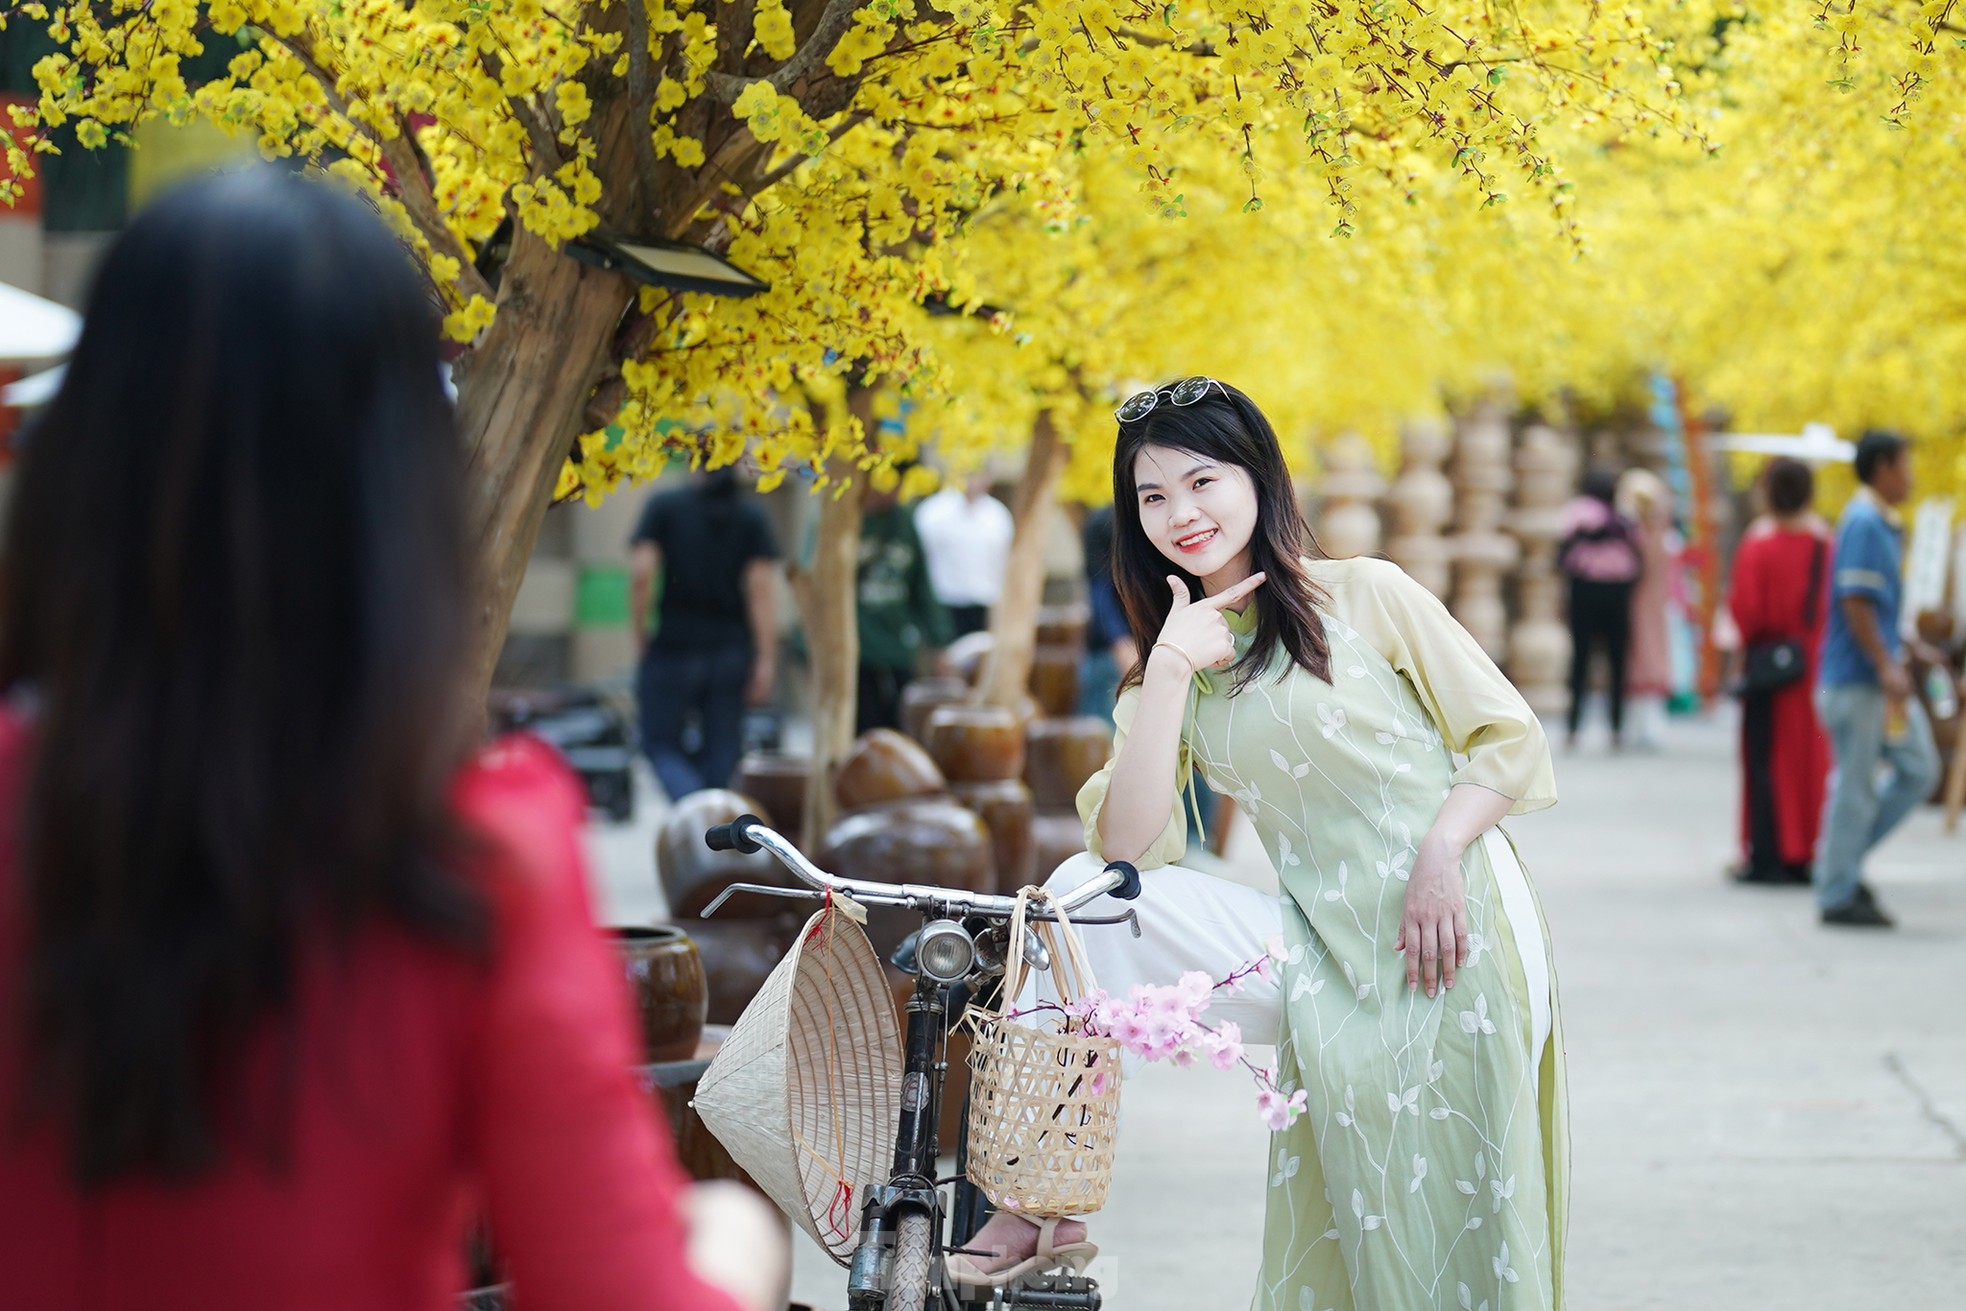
<point x="1789" y="485"/>
<point x="1224" y="426"/>
<point x="1600" y="483"/>
<point x="235" y="602"/>
<point x="1878" y="446"/>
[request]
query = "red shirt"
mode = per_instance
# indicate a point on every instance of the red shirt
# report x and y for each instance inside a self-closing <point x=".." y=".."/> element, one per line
<point x="428" y="1086"/>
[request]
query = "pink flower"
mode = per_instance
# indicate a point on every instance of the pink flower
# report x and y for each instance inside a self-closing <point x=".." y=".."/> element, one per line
<point x="1277" y="1110"/>
<point x="1195" y="988"/>
<point x="1224" y="1045"/>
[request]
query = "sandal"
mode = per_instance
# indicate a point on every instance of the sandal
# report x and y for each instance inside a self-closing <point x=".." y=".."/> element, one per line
<point x="963" y="1272"/>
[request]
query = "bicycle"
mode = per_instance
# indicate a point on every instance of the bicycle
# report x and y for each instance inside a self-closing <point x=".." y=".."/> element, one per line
<point x="905" y="1229"/>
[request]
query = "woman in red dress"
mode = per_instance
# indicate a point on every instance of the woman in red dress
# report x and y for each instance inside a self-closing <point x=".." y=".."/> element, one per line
<point x="294" y="980"/>
<point x="1785" y="757"/>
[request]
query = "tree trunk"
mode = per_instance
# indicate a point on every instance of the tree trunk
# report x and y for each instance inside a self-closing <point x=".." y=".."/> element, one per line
<point x="826" y="593"/>
<point x="1014" y="620"/>
<point x="520" y="409"/>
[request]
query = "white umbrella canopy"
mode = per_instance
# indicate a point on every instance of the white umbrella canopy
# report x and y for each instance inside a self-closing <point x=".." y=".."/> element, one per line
<point x="1817" y="443"/>
<point x="32" y="328"/>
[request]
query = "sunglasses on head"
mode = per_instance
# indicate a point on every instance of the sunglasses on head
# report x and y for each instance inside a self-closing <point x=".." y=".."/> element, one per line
<point x="1185" y="392"/>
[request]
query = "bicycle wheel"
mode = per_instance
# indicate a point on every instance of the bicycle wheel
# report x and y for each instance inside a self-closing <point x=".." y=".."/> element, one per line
<point x="914" y="1265"/>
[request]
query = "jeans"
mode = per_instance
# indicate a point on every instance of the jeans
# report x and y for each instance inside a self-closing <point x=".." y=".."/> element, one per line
<point x="1860" y="814"/>
<point x="1600" y="616"/>
<point x="673" y="686"/>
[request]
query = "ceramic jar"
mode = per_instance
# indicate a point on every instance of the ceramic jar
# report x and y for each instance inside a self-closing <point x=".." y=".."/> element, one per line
<point x="692" y="875"/>
<point x="884" y="766"/>
<point x="1004" y="806"/>
<point x="1055" y="678"/>
<point x="740" y="954"/>
<point x="921" y="841"/>
<point x="671" y="992"/>
<point x="922" y="696"/>
<point x="976" y="744"/>
<point x="1061" y="754"/>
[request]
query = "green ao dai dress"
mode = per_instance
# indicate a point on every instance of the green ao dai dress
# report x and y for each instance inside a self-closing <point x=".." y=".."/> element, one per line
<point x="1431" y="1167"/>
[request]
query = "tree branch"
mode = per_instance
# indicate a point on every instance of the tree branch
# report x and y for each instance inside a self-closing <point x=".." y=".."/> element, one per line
<point x="641" y="90"/>
<point x="808" y="62"/>
<point x="412" y="187"/>
<point x="546" y="150"/>
<point x="413" y="191"/>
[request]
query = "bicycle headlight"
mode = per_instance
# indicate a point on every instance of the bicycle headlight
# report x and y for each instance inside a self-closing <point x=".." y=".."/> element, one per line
<point x="944" y="951"/>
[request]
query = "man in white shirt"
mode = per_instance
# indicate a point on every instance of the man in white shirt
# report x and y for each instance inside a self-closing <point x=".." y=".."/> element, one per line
<point x="965" y="534"/>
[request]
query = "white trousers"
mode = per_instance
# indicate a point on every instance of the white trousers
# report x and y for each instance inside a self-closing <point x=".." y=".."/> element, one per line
<point x="1195" y="921"/>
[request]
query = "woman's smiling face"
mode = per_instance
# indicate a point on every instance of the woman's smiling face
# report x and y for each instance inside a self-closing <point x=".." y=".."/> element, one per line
<point x="1199" y="513"/>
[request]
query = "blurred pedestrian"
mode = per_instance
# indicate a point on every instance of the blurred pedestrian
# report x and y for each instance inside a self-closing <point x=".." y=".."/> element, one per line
<point x="1109" y="650"/>
<point x="903" y="627"/>
<point x="294" y="976"/>
<point x="1864" y="694"/>
<point x="715" y="646"/>
<point x="1598" y="552"/>
<point x="966" y="534"/>
<point x="1646" y="501"/>
<point x="1779" y="601"/>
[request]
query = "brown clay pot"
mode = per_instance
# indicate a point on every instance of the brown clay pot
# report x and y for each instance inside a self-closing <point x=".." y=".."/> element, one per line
<point x="1061" y="754"/>
<point x="1056" y="838"/>
<point x="921" y="841"/>
<point x="1055" y="679"/>
<point x="778" y="782"/>
<point x="976" y="744"/>
<point x="924" y="695"/>
<point x="884" y="766"/>
<point x="692" y="875"/>
<point x="1004" y="806"/>
<point x="1063" y="625"/>
<point x="671" y="993"/>
<point x="739" y="955"/>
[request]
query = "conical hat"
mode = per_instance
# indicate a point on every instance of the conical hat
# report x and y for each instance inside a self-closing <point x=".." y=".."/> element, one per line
<point x="806" y="1091"/>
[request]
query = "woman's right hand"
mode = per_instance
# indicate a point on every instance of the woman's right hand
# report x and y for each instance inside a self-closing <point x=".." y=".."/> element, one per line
<point x="1196" y="633"/>
<point x="738" y="1242"/>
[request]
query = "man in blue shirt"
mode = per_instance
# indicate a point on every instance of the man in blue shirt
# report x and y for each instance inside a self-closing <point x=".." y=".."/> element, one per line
<point x="1863" y="691"/>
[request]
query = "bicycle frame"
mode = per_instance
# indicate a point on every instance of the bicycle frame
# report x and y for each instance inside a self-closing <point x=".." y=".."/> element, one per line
<point x="912" y="1186"/>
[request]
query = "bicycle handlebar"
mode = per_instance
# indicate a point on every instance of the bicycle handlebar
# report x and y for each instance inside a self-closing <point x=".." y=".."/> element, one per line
<point x="748" y="833"/>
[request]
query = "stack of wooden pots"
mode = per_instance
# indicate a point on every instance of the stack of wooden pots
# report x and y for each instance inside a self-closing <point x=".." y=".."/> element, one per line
<point x="980" y="750"/>
<point x="1062" y="748"/>
<point x="751" y="932"/>
<point x="898" y="825"/>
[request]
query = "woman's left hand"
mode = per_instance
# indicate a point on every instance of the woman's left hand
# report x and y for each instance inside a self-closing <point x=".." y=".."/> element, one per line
<point x="1433" y="931"/>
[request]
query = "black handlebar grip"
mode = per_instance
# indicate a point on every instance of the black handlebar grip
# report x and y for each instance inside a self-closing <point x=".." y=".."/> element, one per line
<point x="734" y="836"/>
<point x="1129" y="887"/>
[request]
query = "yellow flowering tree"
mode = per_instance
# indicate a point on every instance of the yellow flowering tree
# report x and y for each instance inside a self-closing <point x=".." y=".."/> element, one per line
<point x="838" y="150"/>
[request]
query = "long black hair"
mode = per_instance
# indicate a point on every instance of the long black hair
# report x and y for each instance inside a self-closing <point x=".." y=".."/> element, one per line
<point x="1224" y="426"/>
<point x="234" y="594"/>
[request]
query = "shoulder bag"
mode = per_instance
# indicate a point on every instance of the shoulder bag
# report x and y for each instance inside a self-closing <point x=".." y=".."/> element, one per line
<point x="1771" y="666"/>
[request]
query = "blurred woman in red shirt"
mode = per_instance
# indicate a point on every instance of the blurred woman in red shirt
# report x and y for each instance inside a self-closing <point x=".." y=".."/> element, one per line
<point x="293" y="981"/>
<point x="1780" y="591"/>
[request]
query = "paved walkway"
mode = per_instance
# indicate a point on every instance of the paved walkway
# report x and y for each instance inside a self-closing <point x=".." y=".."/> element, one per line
<point x="1766" y="1114"/>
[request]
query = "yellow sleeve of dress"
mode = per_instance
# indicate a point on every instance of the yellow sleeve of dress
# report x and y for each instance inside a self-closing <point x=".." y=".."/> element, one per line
<point x="1479" y="712"/>
<point x="1172" y="844"/>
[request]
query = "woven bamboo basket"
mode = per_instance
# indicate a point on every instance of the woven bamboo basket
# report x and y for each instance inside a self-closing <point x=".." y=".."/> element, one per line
<point x="1044" y="1099"/>
<point x="806" y="1091"/>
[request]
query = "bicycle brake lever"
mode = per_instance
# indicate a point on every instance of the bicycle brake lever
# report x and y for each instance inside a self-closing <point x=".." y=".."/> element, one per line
<point x="1130" y="918"/>
<point x="736" y="888"/>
